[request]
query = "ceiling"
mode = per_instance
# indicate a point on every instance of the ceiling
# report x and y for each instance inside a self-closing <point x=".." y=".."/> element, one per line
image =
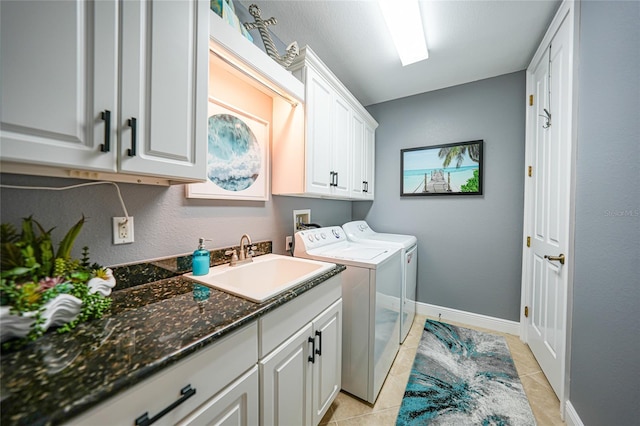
<point x="468" y="40"/>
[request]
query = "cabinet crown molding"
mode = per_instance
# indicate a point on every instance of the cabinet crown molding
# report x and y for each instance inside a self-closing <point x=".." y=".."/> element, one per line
<point x="309" y="58"/>
<point x="247" y="58"/>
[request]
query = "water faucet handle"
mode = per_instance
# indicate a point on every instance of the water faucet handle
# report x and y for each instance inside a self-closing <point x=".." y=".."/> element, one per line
<point x="251" y="251"/>
<point x="233" y="254"/>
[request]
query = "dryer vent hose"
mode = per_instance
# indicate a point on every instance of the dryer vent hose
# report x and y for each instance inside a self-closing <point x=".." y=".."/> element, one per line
<point x="302" y="226"/>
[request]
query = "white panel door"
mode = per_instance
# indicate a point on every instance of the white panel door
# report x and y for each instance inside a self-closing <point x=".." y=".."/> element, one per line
<point x="369" y="162"/>
<point x="359" y="157"/>
<point x="286" y="382"/>
<point x="318" y="114"/>
<point x="327" y="364"/>
<point x="59" y="74"/>
<point x="235" y="405"/>
<point x="549" y="193"/>
<point x="341" y="146"/>
<point x="164" y="86"/>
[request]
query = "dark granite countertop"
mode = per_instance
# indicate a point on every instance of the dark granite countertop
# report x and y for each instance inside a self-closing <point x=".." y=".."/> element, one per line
<point x="149" y="327"/>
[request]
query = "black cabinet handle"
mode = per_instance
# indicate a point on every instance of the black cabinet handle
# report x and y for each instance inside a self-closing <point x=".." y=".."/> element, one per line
<point x="144" y="420"/>
<point x="319" y="350"/>
<point x="133" y="123"/>
<point x="312" y="357"/>
<point x="336" y="184"/>
<point x="331" y="178"/>
<point x="106" y="116"/>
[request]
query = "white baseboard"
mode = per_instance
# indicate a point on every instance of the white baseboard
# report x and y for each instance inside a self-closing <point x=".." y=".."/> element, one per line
<point x="469" y="318"/>
<point x="571" y="415"/>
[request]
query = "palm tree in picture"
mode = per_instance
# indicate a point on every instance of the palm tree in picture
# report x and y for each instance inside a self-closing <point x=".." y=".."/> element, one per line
<point x="457" y="152"/>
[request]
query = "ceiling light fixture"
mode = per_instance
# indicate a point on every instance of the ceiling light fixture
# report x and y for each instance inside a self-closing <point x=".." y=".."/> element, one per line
<point x="404" y="21"/>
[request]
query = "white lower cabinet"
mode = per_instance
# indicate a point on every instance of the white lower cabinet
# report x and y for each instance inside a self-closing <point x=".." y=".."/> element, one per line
<point x="327" y="367"/>
<point x="237" y="404"/>
<point x="286" y="382"/>
<point x="216" y="385"/>
<point x="283" y="369"/>
<point x="301" y="377"/>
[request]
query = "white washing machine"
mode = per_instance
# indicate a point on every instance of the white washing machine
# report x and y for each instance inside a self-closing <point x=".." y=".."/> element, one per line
<point x="370" y="305"/>
<point x="360" y="232"/>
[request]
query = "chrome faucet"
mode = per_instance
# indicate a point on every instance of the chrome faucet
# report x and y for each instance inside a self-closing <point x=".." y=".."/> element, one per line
<point x="246" y="252"/>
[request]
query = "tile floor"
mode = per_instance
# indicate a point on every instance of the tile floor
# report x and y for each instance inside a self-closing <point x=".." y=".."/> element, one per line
<point x="349" y="411"/>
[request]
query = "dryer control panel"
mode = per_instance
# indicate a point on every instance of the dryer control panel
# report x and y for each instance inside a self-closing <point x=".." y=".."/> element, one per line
<point x="357" y="229"/>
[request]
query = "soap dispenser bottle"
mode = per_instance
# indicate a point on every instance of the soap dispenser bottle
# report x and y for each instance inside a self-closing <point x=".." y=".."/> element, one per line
<point x="200" y="259"/>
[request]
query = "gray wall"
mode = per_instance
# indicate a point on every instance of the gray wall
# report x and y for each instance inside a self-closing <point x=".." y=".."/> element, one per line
<point x="166" y="223"/>
<point x="469" y="246"/>
<point x="605" y="343"/>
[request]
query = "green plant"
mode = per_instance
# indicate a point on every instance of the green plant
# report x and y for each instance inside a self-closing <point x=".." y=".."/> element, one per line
<point x="473" y="183"/>
<point x="32" y="273"/>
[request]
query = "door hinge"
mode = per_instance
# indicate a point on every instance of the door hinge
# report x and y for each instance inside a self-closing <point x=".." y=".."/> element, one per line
<point x="530" y="171"/>
<point x="526" y="311"/>
<point x="530" y="100"/>
<point x="528" y="241"/>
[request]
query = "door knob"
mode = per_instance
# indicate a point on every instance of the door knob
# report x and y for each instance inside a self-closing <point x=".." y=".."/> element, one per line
<point x="558" y="258"/>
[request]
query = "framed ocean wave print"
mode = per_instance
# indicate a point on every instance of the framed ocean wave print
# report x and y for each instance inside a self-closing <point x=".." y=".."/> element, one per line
<point x="449" y="169"/>
<point x="237" y="156"/>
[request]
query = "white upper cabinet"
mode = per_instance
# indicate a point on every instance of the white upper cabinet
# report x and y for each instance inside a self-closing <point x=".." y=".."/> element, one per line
<point x="340" y="147"/>
<point x="319" y="108"/>
<point x="59" y="75"/>
<point x="164" y="86"/>
<point x="327" y="137"/>
<point x="333" y="156"/>
<point x="363" y="155"/>
<point x="71" y="99"/>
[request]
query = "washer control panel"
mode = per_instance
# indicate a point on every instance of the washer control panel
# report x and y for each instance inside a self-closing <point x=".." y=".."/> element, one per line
<point x="320" y="237"/>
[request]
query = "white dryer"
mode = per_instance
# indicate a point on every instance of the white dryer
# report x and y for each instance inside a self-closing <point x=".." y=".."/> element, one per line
<point x="360" y="232"/>
<point x="370" y="305"/>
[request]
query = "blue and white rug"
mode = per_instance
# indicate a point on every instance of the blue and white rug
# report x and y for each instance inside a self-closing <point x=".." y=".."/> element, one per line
<point x="463" y="377"/>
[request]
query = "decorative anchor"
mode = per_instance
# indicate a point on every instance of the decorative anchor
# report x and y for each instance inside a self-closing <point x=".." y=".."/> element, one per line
<point x="270" y="47"/>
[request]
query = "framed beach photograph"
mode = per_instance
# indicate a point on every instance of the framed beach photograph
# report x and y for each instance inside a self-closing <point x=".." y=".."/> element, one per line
<point x="449" y="169"/>
<point x="237" y="156"/>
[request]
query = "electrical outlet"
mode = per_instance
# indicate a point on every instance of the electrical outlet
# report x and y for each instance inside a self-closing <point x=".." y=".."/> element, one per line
<point x="122" y="230"/>
<point x="288" y="243"/>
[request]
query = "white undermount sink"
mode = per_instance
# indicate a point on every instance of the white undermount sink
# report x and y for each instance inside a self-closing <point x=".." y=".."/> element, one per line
<point x="265" y="277"/>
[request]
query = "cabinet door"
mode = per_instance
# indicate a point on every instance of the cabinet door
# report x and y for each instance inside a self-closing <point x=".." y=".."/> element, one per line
<point x="286" y="382"/>
<point x="162" y="127"/>
<point x="318" y="129"/>
<point x="358" y="171"/>
<point x="235" y="405"/>
<point x="209" y="371"/>
<point x="327" y="368"/>
<point x="341" y="146"/>
<point x="369" y="161"/>
<point x="59" y="71"/>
